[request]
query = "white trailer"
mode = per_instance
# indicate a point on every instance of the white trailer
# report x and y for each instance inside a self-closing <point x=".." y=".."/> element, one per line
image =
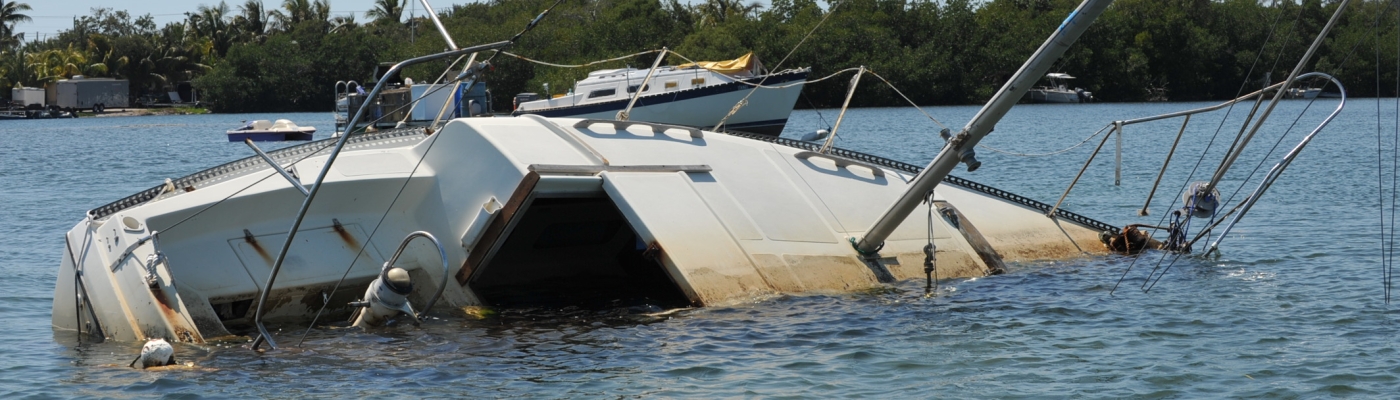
<point x="27" y="95"/>
<point x="94" y="94"/>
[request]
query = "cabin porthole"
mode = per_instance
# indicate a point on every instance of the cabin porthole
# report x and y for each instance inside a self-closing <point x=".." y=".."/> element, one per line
<point x="132" y="224"/>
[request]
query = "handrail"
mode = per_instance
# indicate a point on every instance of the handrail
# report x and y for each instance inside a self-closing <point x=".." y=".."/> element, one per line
<point x="442" y="253"/>
<point x="1282" y="165"/>
<point x="623" y="125"/>
<point x="1117" y="126"/>
<point x="325" y="169"/>
<point x="276" y="167"/>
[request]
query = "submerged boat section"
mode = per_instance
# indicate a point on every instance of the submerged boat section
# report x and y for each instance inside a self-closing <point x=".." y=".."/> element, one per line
<point x="531" y="211"/>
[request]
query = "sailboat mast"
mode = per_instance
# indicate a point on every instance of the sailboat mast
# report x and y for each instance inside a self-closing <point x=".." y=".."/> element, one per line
<point x="960" y="147"/>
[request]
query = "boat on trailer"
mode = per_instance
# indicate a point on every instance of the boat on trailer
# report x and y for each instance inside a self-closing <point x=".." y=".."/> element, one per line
<point x="534" y="210"/>
<point x="699" y="95"/>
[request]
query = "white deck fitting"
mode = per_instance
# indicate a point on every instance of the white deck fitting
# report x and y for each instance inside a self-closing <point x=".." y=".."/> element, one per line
<point x="735" y="219"/>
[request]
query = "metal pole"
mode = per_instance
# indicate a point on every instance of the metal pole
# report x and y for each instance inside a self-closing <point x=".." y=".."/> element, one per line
<point x="441" y="30"/>
<point x="1163" y="172"/>
<point x="831" y="139"/>
<point x="626" y="113"/>
<point x="1282" y="165"/>
<point x="1292" y="75"/>
<point x="276" y="167"/>
<point x="1074" y="25"/>
<point x="316" y="187"/>
<point x="1118" y="158"/>
<point x="1051" y="213"/>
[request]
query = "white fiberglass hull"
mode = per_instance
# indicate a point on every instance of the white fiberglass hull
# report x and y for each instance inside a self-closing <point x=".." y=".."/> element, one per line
<point x="527" y="207"/>
<point x="766" y="112"/>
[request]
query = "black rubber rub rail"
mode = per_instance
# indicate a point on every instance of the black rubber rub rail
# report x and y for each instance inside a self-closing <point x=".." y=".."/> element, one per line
<point x="241" y="167"/>
<point x="914" y="169"/>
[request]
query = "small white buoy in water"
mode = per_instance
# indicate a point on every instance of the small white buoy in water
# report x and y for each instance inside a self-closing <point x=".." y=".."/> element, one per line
<point x="156" y="353"/>
<point x="818" y="135"/>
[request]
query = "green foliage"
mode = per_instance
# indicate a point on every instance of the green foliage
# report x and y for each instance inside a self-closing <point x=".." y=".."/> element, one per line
<point x="294" y="71"/>
<point x="286" y="56"/>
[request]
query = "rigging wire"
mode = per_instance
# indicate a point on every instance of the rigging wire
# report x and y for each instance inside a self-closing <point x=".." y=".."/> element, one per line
<point x="1229" y="110"/>
<point x="433" y="141"/>
<point x="780" y="64"/>
<point x="426" y="151"/>
<point x="1283" y="45"/>
<point x="1388" y="246"/>
<point x="581" y="65"/>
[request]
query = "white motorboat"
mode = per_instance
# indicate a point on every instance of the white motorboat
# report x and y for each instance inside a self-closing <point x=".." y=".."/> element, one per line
<point x="1058" y="91"/>
<point x="266" y="131"/>
<point x="697" y="95"/>
<point x="1306" y="93"/>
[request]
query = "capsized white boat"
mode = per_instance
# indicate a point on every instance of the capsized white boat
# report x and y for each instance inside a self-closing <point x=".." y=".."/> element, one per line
<point x="531" y="209"/>
<point x="535" y="210"/>
<point x="525" y="207"/>
<point x="697" y="95"/>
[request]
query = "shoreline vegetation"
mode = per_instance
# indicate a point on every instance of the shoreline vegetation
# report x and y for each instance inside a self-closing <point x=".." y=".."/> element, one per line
<point x="286" y="57"/>
<point x="139" y="112"/>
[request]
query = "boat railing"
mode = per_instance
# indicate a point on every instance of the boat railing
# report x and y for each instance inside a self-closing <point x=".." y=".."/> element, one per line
<point x="442" y="254"/>
<point x="1115" y="130"/>
<point x="264" y="335"/>
<point x="1278" y="168"/>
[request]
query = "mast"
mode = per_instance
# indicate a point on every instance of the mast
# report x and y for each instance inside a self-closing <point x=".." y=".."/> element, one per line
<point x="960" y="147"/>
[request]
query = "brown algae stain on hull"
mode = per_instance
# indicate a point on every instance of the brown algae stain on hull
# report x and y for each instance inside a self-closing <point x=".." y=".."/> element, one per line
<point x="346" y="237"/>
<point x="182" y="333"/>
<point x="253" y="241"/>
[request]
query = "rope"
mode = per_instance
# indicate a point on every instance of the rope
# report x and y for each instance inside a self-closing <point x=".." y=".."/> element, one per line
<point x="580" y="65"/>
<point x="983" y="146"/>
<point x="930" y="249"/>
<point x="906" y="99"/>
<point x="1057" y="152"/>
<point x="780" y="62"/>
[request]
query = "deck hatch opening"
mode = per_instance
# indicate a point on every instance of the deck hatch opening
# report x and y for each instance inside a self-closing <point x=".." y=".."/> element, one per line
<point x="574" y="251"/>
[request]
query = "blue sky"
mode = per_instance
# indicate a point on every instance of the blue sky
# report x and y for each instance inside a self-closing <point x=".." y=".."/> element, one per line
<point x="53" y="16"/>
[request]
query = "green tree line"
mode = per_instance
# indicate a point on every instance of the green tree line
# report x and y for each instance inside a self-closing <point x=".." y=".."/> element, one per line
<point x="253" y="58"/>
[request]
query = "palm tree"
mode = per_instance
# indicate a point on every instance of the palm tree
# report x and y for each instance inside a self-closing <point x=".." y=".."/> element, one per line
<point x="104" y="55"/>
<point x="343" y="24"/>
<point x="321" y="11"/>
<point x="296" y="11"/>
<point x="209" y="23"/>
<point x="386" y="10"/>
<point x="252" y="22"/>
<point x="716" y="12"/>
<point x="9" y="17"/>
<point x="54" y="64"/>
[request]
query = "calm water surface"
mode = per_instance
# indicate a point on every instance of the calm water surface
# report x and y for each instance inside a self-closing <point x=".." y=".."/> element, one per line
<point x="1293" y="308"/>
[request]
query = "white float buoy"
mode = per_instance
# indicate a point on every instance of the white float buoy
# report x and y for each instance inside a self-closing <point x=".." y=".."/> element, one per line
<point x="156" y="353"/>
<point x="820" y="134"/>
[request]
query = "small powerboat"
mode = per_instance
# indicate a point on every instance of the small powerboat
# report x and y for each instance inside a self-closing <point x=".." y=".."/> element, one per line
<point x="264" y="131"/>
